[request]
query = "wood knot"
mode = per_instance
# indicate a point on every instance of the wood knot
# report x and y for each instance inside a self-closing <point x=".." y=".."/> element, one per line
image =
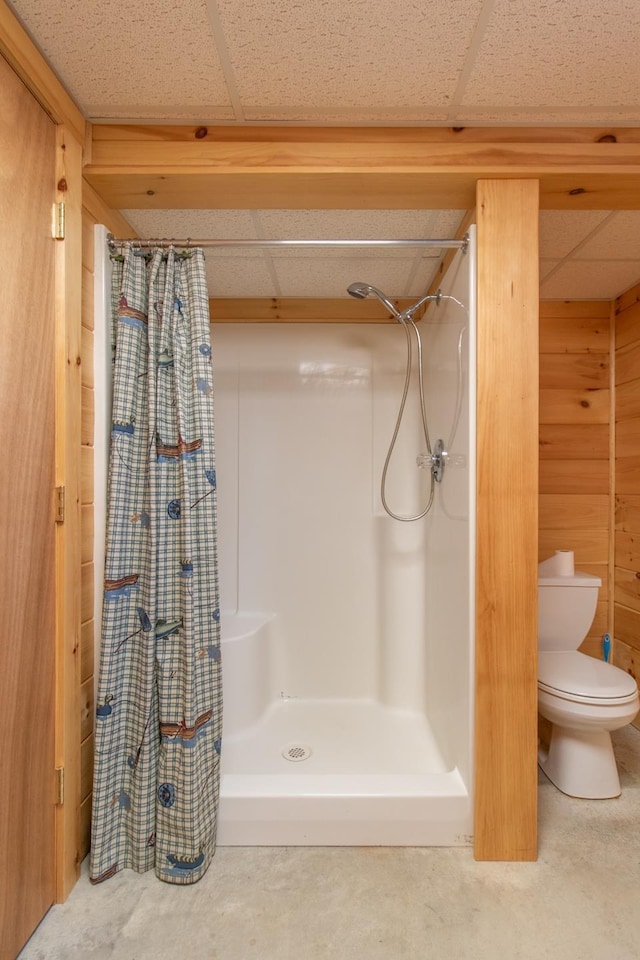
<point x="607" y="138"/>
<point x="62" y="185"/>
<point x="201" y="133"/>
<point x="584" y="403"/>
<point x="151" y="193"/>
<point x="457" y="129"/>
<point x="576" y="191"/>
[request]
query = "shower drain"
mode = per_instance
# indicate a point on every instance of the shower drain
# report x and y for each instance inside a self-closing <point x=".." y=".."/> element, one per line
<point x="296" y="752"/>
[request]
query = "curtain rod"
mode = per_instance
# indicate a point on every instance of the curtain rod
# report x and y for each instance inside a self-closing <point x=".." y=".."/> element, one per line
<point x="164" y="242"/>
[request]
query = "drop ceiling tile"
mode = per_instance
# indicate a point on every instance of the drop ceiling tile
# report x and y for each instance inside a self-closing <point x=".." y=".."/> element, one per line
<point x="546" y="266"/>
<point x="590" y="280"/>
<point x="152" y="58"/>
<point x="346" y="115"/>
<point x="330" y="277"/>
<point x="423" y="277"/>
<point x="370" y="54"/>
<point x="558" y="53"/>
<point x="562" y="230"/>
<point x="239" y="277"/>
<point x="619" y="239"/>
<point x="199" y="224"/>
<point x="359" y="224"/>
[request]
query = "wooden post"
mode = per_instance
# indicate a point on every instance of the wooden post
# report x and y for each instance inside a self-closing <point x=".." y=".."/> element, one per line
<point x="507" y="521"/>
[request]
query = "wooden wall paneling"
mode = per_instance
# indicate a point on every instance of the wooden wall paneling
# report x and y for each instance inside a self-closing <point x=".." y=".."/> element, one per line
<point x="627" y="400"/>
<point x="574" y="441"/>
<point x="87" y="573"/>
<point x="589" y="546"/>
<point x="627" y="437"/>
<point x="85" y="823"/>
<point x="507" y="522"/>
<point x="627" y="623"/>
<point x="628" y="362"/>
<point x="628" y="512"/>
<point x="575" y="476"/>
<point x="581" y="371"/>
<point x="568" y="334"/>
<point x="575" y="444"/>
<point x="574" y="309"/>
<point x="87" y="650"/>
<point x="68" y="537"/>
<point x="561" y="510"/>
<point x="626" y="647"/>
<point x="583" y="405"/>
<point x="627" y="550"/>
<point x="627" y="323"/>
<point x="86" y="769"/>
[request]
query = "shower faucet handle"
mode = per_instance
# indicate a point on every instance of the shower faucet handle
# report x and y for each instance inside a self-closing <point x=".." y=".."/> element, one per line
<point x="434" y="461"/>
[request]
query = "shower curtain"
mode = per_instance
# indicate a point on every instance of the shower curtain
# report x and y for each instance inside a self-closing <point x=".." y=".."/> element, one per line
<point x="159" y="710"/>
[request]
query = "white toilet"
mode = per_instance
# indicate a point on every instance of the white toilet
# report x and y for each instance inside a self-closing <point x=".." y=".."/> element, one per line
<point x="584" y="698"/>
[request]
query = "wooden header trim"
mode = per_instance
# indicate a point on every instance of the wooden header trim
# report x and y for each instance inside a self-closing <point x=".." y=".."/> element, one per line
<point x="163" y="171"/>
<point x="34" y="71"/>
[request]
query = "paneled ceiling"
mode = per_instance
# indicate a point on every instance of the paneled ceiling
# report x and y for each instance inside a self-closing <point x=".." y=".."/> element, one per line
<point x="407" y="62"/>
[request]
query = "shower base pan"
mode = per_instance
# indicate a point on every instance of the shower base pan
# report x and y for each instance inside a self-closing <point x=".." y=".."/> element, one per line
<point x="339" y="772"/>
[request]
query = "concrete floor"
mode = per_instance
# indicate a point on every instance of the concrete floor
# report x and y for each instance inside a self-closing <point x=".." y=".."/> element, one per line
<point x="578" y="902"/>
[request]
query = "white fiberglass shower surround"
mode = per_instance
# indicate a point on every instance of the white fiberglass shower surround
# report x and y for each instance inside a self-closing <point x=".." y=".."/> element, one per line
<point x="347" y="635"/>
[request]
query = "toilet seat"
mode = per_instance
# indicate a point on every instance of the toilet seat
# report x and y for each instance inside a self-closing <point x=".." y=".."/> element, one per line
<point x="571" y="675"/>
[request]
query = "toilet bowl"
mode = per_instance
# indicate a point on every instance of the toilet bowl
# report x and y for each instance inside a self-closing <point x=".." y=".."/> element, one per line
<point x="583" y="698"/>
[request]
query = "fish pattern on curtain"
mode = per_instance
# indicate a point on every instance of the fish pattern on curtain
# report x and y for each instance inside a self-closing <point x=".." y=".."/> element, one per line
<point x="159" y="710"/>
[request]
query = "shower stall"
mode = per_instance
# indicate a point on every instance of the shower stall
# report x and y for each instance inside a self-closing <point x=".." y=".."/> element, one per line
<point x="347" y="636"/>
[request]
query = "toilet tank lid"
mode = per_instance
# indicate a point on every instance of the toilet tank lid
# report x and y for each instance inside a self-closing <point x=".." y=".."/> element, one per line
<point x="579" y="579"/>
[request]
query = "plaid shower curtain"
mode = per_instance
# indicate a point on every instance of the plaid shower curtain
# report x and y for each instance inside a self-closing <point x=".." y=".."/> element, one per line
<point x="159" y="709"/>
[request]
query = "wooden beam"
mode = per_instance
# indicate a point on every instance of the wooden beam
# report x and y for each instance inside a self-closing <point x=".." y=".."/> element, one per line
<point x="347" y="172"/>
<point x="507" y="522"/>
<point x="291" y="133"/>
<point x="68" y="534"/>
<point x="112" y="219"/>
<point x="19" y="50"/>
<point x="300" y="310"/>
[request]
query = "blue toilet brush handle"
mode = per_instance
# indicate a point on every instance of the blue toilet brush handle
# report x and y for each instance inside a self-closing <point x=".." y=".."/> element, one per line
<point x="606" y="647"/>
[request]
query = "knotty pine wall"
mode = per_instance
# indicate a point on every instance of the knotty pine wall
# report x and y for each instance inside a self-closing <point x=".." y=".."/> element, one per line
<point x="626" y="648"/>
<point x="575" y="437"/>
<point x="86" y="496"/>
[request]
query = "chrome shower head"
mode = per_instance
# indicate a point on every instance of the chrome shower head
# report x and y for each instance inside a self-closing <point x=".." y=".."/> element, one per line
<point x="362" y="290"/>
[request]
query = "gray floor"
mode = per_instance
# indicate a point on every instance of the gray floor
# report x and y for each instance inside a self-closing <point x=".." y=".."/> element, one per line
<point x="579" y="901"/>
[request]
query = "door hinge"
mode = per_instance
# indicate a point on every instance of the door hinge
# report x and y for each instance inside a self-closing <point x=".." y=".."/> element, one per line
<point x="58" y="221"/>
<point x="59" y="504"/>
<point x="59" y="786"/>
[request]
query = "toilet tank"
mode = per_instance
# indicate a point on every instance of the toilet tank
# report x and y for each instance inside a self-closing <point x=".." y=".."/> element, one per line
<point x="567" y="600"/>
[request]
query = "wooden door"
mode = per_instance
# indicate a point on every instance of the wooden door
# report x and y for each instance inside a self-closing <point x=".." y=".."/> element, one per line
<point x="27" y="522"/>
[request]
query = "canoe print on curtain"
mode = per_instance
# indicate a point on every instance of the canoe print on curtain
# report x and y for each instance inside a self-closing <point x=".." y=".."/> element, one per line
<point x="159" y="709"/>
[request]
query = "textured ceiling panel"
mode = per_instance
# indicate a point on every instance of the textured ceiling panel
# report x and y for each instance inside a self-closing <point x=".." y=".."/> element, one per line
<point x="546" y="266"/>
<point x="318" y="277"/>
<point x="154" y="58"/>
<point x="422" y="278"/>
<point x="239" y="277"/>
<point x="199" y="224"/>
<point x="558" y="53"/>
<point x="618" y="239"/>
<point x="590" y="279"/>
<point x="562" y="230"/>
<point x="366" y="53"/>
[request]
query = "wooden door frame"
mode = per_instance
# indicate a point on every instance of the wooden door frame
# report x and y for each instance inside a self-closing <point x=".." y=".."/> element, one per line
<point x="28" y="63"/>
